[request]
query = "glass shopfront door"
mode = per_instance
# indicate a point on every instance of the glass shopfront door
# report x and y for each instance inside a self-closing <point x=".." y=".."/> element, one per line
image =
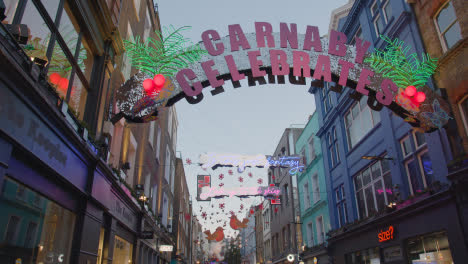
<point x="33" y="228"/>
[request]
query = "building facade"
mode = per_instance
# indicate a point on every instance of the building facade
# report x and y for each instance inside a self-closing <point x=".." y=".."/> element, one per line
<point x="247" y="240"/>
<point x="313" y="194"/>
<point x="284" y="227"/>
<point x="260" y="250"/>
<point x="78" y="188"/>
<point x="388" y="177"/>
<point x="266" y="211"/>
<point x="183" y="215"/>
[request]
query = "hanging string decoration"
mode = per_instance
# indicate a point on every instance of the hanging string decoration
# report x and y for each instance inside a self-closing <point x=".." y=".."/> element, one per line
<point x="236" y="224"/>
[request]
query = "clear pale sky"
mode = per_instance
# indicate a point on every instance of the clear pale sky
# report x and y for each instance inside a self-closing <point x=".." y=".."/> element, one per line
<point x="246" y="120"/>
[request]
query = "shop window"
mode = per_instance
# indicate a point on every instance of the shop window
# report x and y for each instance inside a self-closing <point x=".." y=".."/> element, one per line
<point x="35" y="234"/>
<point x="68" y="29"/>
<point x="447" y="26"/>
<point x="367" y="256"/>
<point x="122" y="251"/>
<point x="374" y="189"/>
<point x="310" y="235"/>
<point x="432" y="248"/>
<point x="326" y="98"/>
<point x="359" y="120"/>
<point x="100" y="246"/>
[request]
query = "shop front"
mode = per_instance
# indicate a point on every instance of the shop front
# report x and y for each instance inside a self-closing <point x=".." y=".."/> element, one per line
<point x="428" y="231"/>
<point x="315" y="255"/>
<point x="42" y="178"/>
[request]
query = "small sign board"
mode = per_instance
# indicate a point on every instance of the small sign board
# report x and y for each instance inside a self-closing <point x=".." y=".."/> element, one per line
<point x="166" y="248"/>
<point x="147" y="235"/>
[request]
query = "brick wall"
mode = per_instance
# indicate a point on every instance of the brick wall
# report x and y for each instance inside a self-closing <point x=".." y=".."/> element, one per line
<point x="453" y="70"/>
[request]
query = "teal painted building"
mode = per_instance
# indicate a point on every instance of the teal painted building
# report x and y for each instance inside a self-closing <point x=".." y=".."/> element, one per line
<point x="312" y="192"/>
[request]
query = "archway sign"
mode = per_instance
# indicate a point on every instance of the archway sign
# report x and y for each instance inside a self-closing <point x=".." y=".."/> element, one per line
<point x="266" y="57"/>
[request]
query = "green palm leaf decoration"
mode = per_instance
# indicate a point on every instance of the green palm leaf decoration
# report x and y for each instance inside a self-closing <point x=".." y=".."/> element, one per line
<point x="402" y="68"/>
<point x="166" y="55"/>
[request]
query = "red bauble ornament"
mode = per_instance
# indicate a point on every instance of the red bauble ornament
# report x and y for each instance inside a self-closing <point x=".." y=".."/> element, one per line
<point x="410" y="91"/>
<point x="54" y="78"/>
<point x="159" y="81"/>
<point x="148" y="85"/>
<point x="63" y="84"/>
<point x="420" y="97"/>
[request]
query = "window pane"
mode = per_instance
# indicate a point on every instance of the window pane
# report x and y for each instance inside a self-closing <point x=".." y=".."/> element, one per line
<point x="10" y="9"/>
<point x="40" y="234"/>
<point x="388" y="185"/>
<point x="356" y="132"/>
<point x="375" y="117"/>
<point x="69" y="30"/>
<point x="420" y="139"/>
<point x="446" y="17"/>
<point x="385" y="165"/>
<point x="39" y="33"/>
<point x="370" y="200"/>
<point x="388" y="10"/>
<point x="349" y="118"/>
<point x="51" y="6"/>
<point x="361" y="206"/>
<point x="406" y="144"/>
<point x="426" y="164"/>
<point x="122" y="251"/>
<point x="355" y="110"/>
<point x="59" y="71"/>
<point x="415" y="178"/>
<point x="366" y="178"/>
<point x="452" y="35"/>
<point x="379" y="194"/>
<point x="376" y="173"/>
<point x="432" y="248"/>
<point x="86" y="60"/>
<point x="78" y="97"/>
<point x="374" y="8"/>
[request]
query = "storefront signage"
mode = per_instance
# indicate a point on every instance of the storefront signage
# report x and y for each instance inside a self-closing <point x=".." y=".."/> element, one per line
<point x="218" y="192"/>
<point x="386" y="235"/>
<point x="28" y="129"/>
<point x="147" y="235"/>
<point x="166" y="248"/>
<point x="214" y="160"/>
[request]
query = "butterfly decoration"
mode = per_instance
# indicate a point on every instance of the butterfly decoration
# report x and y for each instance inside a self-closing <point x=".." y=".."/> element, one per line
<point x="241" y="206"/>
<point x="221" y="176"/>
<point x="203" y="215"/>
<point x="230" y="172"/>
<point x="259" y="181"/>
<point x="250" y="175"/>
<point x="188" y="161"/>
<point x="438" y="117"/>
<point x="241" y="179"/>
<point x="221" y="184"/>
<point x="221" y="205"/>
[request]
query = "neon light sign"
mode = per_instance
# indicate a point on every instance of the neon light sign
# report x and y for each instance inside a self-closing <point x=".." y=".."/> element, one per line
<point x="219" y="192"/>
<point x="386" y="235"/>
<point x="293" y="162"/>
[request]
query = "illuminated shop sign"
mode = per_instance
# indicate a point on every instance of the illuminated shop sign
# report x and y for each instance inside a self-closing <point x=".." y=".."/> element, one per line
<point x="213" y="160"/>
<point x="386" y="235"/>
<point x="166" y="248"/>
<point x="219" y="192"/>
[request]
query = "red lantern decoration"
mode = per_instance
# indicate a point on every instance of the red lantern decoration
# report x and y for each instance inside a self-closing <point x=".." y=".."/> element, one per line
<point x="54" y="78"/>
<point x="420" y="97"/>
<point x="63" y="84"/>
<point x="159" y="81"/>
<point x="252" y="211"/>
<point x="410" y="91"/>
<point x="148" y="86"/>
